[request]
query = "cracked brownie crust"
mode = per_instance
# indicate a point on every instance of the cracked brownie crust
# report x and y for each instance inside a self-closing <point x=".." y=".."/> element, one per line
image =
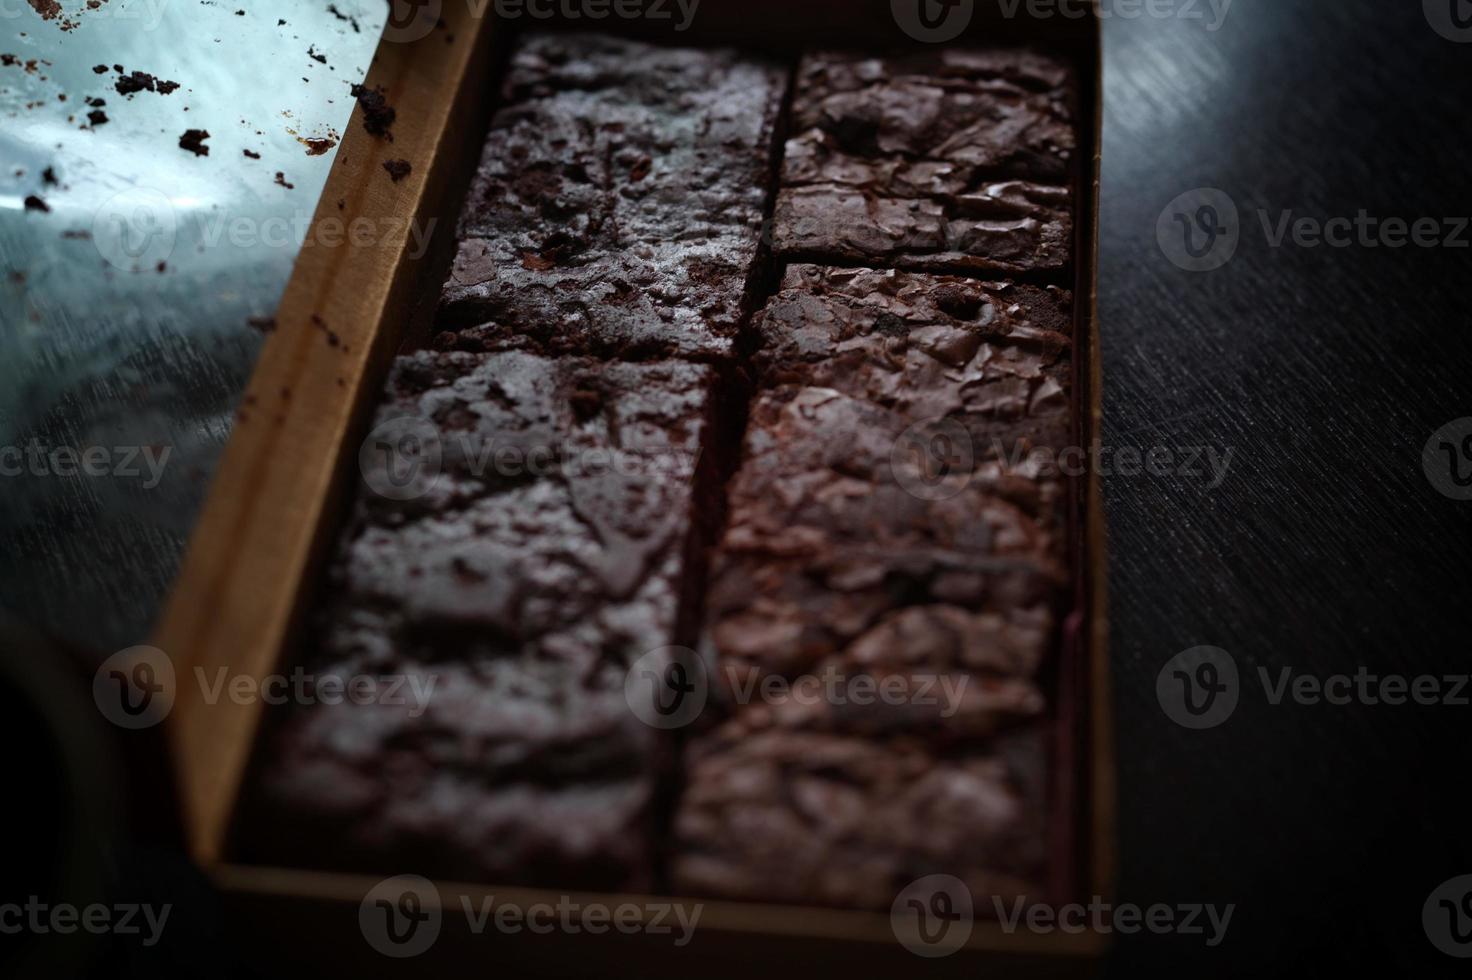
<point x="544" y="559"/>
<point x="828" y="558"/>
<point x="815" y="819"/>
<point x="957" y="161"/>
<point x="619" y="203"/>
<point x="994" y="356"/>
<point x="880" y="521"/>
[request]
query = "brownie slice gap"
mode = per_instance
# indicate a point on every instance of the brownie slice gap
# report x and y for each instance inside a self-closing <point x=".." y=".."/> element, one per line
<point x="619" y="204"/>
<point x="543" y="557"/>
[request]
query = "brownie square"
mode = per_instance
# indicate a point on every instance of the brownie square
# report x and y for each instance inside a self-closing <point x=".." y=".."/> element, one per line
<point x="813" y="819"/>
<point x="619" y="204"/>
<point x="1009" y="112"/>
<point x="961" y="160"/>
<point x="835" y="548"/>
<point x="541" y="556"/>
<point x="993" y="357"/>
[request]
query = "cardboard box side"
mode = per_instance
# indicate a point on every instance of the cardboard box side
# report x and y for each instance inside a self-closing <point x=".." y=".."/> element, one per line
<point x="256" y="547"/>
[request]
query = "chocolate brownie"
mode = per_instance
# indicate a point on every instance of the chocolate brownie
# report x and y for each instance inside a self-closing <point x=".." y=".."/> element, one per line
<point x="953" y="161"/>
<point x="539" y="554"/>
<point x="619" y="203"/>
<point x="802" y="818"/>
<point x="835" y="547"/>
<point x="994" y="357"/>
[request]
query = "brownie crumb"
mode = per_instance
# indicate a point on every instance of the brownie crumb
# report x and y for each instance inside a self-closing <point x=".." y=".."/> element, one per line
<point x="332" y="9"/>
<point x="48" y="9"/>
<point x="48" y="176"/>
<point x="193" y="141"/>
<point x="378" y="115"/>
<point x="252" y="154"/>
<point x="398" y="169"/>
<point x="281" y="181"/>
<point x="317" y="145"/>
<point x="333" y="340"/>
<point x="34" y="203"/>
<point x="142" y="81"/>
<point x="100" y="69"/>
<point x="97" y="117"/>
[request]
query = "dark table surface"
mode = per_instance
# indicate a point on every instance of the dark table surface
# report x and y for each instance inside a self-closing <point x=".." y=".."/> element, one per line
<point x="1326" y="549"/>
<point x="1325" y="370"/>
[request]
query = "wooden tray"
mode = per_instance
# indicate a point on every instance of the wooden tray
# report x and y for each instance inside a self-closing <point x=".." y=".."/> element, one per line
<point x="279" y="496"/>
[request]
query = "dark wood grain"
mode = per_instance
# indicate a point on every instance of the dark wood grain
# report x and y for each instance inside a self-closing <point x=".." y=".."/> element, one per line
<point x="1326" y="371"/>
